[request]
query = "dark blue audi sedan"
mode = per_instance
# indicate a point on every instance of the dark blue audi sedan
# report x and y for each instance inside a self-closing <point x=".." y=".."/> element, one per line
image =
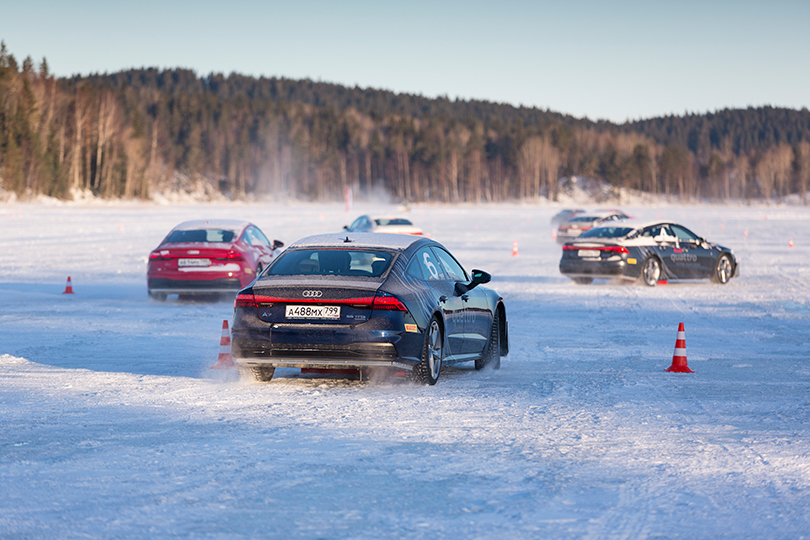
<point x="368" y="301"/>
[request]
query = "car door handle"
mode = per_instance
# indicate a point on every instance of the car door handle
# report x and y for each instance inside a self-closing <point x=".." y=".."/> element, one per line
<point x="465" y="297"/>
<point x="442" y="299"/>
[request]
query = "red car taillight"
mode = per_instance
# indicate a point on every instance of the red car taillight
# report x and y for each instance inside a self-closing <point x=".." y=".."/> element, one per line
<point x="388" y="303"/>
<point x="234" y="256"/>
<point x="245" y="300"/>
<point x="382" y="302"/>
<point x="610" y="249"/>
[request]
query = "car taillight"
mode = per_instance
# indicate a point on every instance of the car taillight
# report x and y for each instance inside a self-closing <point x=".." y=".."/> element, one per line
<point x="155" y="255"/>
<point x="233" y="256"/>
<point x="382" y="302"/>
<point x="610" y="249"/>
<point x="388" y="303"/>
<point x="245" y="300"/>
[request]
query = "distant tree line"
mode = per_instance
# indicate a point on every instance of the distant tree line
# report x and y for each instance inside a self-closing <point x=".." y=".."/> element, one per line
<point x="131" y="133"/>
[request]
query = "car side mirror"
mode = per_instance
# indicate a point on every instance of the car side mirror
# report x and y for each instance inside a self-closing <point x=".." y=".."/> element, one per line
<point x="277" y="244"/>
<point x="346" y="227"/>
<point x="479" y="277"/>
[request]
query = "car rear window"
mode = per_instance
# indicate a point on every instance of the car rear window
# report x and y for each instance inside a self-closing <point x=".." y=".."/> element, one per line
<point x="331" y="262"/>
<point x="585" y="219"/>
<point x="393" y="221"/>
<point x="201" y="235"/>
<point x="607" y="232"/>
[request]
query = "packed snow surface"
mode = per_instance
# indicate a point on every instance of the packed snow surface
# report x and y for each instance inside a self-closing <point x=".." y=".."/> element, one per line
<point x="112" y="425"/>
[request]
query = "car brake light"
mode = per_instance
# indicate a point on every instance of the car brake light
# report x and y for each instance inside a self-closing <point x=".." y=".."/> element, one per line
<point x="388" y="303"/>
<point x="155" y="255"/>
<point x="383" y="302"/>
<point x="234" y="256"/>
<point x="245" y="300"/>
<point x="610" y="249"/>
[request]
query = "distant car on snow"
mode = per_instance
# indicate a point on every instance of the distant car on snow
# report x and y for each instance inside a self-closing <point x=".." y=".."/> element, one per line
<point x="584" y="222"/>
<point x="650" y="252"/>
<point x="368" y="301"/>
<point x="208" y="258"/>
<point x="564" y="215"/>
<point x="394" y="225"/>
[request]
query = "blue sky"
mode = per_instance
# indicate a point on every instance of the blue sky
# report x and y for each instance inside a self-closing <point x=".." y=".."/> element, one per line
<point x="613" y="60"/>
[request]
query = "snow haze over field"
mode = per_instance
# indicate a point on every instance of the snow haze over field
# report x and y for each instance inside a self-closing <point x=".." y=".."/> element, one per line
<point x="112" y="425"/>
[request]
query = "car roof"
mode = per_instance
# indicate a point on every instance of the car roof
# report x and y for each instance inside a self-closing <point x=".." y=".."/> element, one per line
<point x="398" y="242"/>
<point x="638" y="224"/>
<point x="227" y="224"/>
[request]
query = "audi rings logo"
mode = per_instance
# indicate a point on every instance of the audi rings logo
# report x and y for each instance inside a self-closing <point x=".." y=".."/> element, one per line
<point x="312" y="294"/>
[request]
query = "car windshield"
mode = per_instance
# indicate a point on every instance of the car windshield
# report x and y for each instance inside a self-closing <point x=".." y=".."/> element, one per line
<point x="200" y="235"/>
<point x="607" y="232"/>
<point x="331" y="262"/>
<point x="392" y="221"/>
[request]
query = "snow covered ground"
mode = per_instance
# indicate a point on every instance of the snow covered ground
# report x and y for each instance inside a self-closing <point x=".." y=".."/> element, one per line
<point x="112" y="425"/>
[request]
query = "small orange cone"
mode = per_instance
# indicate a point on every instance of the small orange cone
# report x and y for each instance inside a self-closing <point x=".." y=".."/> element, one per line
<point x="790" y="244"/>
<point x="68" y="287"/>
<point x="225" y="360"/>
<point x="553" y="234"/>
<point x="679" y="364"/>
<point x="514" y="249"/>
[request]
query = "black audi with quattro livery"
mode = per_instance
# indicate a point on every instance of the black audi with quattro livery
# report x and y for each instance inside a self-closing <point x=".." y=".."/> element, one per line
<point x="368" y="301"/>
<point x="651" y="253"/>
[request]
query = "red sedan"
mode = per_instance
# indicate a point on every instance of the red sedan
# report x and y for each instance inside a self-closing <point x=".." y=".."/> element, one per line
<point x="212" y="257"/>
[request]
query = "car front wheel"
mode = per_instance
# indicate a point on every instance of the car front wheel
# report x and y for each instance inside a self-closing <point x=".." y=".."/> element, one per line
<point x="428" y="370"/>
<point x="723" y="270"/>
<point x="651" y="271"/>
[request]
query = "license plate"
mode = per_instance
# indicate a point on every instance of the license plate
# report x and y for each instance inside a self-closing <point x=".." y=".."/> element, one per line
<point x="588" y="253"/>
<point x="313" y="312"/>
<point x="193" y="262"/>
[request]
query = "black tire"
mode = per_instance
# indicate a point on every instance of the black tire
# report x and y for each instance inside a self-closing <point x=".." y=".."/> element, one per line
<point x="263" y="374"/>
<point x="650" y="271"/>
<point x="583" y="280"/>
<point x="723" y="270"/>
<point x="429" y="369"/>
<point x="159" y="297"/>
<point x="492" y="353"/>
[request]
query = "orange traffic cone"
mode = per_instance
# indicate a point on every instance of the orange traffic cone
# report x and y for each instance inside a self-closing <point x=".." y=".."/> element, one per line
<point x="553" y="234"/>
<point x="514" y="249"/>
<point x="790" y="244"/>
<point x="679" y="356"/>
<point x="225" y="360"/>
<point x="68" y="287"/>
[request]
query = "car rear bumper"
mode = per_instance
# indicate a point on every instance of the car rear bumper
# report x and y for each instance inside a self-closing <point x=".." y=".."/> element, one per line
<point x="333" y="349"/>
<point x="197" y="286"/>
<point x="599" y="269"/>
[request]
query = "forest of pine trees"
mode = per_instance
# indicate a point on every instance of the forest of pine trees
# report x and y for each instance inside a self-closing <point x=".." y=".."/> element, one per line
<point x="132" y="133"/>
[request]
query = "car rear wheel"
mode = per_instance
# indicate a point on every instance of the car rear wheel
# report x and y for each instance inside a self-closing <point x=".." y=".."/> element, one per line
<point x="428" y="370"/>
<point x="160" y="297"/>
<point x="651" y="271"/>
<point x="263" y="374"/>
<point x="492" y="354"/>
<point x="722" y="270"/>
<point x="583" y="280"/>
